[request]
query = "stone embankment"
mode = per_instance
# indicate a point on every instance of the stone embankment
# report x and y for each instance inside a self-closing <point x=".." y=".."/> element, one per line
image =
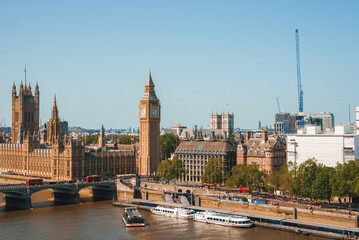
<point x="211" y="199"/>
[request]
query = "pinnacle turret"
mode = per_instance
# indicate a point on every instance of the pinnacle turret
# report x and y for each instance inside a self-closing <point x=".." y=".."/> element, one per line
<point x="102" y="131"/>
<point x="13" y="90"/>
<point x="55" y="113"/>
<point x="149" y="89"/>
<point x="149" y="82"/>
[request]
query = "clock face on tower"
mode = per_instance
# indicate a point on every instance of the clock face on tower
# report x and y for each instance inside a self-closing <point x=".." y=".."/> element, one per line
<point x="154" y="112"/>
<point x="143" y="111"/>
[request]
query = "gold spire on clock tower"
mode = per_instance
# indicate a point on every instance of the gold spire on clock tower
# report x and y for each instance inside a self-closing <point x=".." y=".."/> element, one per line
<point x="150" y="117"/>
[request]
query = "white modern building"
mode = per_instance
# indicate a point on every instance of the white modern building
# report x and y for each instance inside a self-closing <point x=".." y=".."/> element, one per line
<point x="328" y="148"/>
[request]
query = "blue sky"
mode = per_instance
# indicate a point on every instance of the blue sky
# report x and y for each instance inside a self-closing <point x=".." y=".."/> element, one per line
<point x="204" y="55"/>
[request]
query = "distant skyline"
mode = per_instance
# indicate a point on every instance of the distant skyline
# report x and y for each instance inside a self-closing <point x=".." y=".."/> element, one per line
<point x="203" y="54"/>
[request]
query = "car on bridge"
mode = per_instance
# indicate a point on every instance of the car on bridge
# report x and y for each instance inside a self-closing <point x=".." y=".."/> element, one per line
<point x="50" y="183"/>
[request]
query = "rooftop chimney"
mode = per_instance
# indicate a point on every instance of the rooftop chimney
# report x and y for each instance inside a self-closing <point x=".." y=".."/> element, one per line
<point x="264" y="135"/>
<point x="248" y="135"/>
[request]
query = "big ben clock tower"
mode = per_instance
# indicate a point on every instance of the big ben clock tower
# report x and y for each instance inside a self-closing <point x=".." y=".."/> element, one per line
<point x="150" y="117"/>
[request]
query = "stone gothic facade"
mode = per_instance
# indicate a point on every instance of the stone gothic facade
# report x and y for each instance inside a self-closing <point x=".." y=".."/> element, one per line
<point x="25" y="111"/>
<point x="224" y="122"/>
<point x="60" y="157"/>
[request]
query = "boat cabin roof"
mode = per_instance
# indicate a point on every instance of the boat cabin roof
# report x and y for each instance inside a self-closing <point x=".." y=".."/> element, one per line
<point x="133" y="213"/>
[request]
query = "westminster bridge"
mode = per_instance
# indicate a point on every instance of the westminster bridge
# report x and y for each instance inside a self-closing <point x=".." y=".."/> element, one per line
<point x="18" y="196"/>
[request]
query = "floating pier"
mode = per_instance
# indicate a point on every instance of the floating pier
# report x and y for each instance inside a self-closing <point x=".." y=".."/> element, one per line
<point x="273" y="222"/>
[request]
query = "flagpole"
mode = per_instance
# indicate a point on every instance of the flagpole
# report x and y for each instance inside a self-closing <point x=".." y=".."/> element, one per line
<point x="25" y="74"/>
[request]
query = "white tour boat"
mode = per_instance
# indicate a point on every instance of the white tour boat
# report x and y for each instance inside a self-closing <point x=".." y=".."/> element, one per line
<point x="223" y="219"/>
<point x="170" y="211"/>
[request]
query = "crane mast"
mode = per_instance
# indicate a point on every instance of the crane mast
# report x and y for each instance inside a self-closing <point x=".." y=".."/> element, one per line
<point x="301" y="114"/>
<point x="299" y="79"/>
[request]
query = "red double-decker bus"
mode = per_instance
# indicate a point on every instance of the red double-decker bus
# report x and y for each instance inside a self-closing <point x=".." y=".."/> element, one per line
<point x="93" y="178"/>
<point x="34" y="182"/>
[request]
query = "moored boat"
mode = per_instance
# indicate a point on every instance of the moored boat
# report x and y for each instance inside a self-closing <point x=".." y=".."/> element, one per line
<point x="132" y="218"/>
<point x="170" y="211"/>
<point x="223" y="219"/>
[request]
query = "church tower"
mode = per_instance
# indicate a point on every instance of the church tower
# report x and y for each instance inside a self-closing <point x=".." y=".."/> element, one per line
<point x="25" y="111"/>
<point x="149" y="116"/>
<point x="54" y="127"/>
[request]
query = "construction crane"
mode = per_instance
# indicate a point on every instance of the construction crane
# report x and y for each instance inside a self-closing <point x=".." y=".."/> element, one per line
<point x="282" y="124"/>
<point x="301" y="114"/>
<point x="2" y="125"/>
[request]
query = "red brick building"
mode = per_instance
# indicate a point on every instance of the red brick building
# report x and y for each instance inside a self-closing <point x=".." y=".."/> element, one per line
<point x="268" y="152"/>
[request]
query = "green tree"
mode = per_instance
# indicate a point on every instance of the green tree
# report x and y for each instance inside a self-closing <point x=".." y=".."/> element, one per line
<point x="107" y="174"/>
<point x="247" y="175"/>
<point x="171" y="169"/>
<point x="305" y="177"/>
<point x="168" y="144"/>
<point x="281" y="180"/>
<point x="345" y="180"/>
<point x="124" y="139"/>
<point x="213" y="171"/>
<point x="238" y="176"/>
<point x="287" y="175"/>
<point x="322" y="188"/>
<point x="92" y="139"/>
<point x="121" y="139"/>
<point x="255" y="177"/>
<point x="156" y="177"/>
<point x="163" y="169"/>
<point x="273" y="181"/>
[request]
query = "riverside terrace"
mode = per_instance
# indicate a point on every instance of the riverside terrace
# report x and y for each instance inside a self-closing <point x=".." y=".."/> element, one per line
<point x="18" y="196"/>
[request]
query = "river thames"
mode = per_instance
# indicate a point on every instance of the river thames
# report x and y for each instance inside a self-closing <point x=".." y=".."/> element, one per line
<point x="101" y="220"/>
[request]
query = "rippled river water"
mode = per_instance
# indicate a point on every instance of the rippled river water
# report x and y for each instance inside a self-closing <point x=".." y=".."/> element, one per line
<point x="101" y="220"/>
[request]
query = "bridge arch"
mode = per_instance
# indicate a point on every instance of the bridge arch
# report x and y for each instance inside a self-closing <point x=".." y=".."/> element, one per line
<point x="86" y="193"/>
<point x="101" y="190"/>
<point x="20" y="196"/>
<point x="16" y="198"/>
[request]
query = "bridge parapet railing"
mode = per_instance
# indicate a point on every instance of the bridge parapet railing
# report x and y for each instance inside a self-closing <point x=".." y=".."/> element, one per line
<point x="11" y="186"/>
<point x="103" y="181"/>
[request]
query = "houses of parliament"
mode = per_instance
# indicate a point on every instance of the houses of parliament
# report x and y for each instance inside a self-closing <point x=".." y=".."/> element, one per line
<point x="62" y="157"/>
